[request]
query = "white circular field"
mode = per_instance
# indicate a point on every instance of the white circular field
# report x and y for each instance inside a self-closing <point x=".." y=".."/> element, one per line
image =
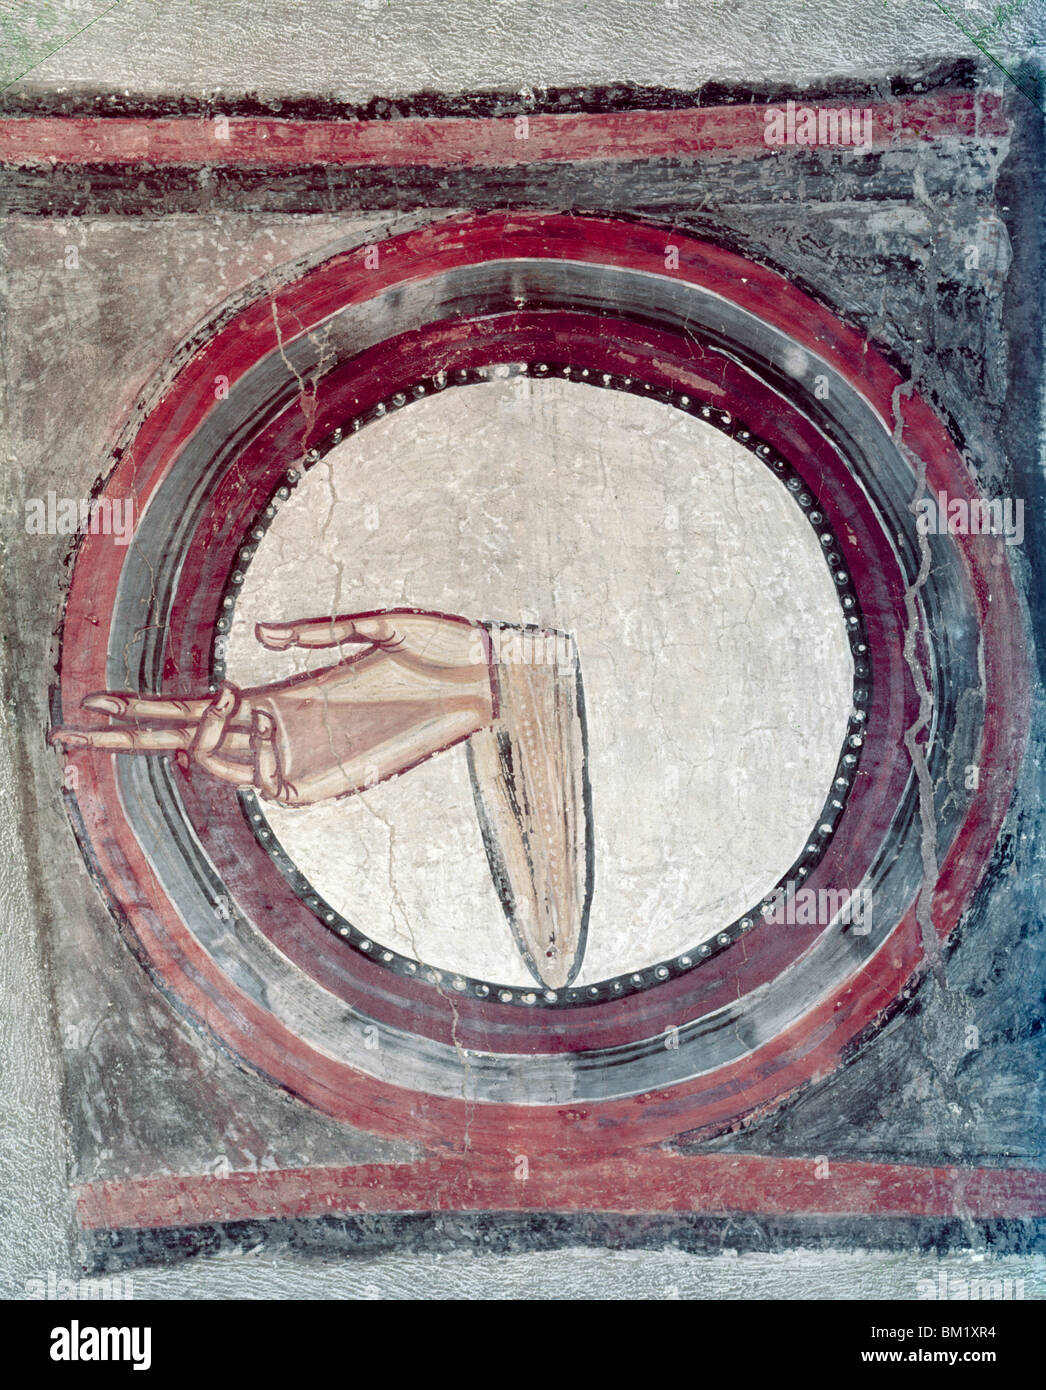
<point x="717" y="674"/>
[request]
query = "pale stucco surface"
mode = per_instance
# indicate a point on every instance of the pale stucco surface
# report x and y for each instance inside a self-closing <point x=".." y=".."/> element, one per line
<point x="684" y="570"/>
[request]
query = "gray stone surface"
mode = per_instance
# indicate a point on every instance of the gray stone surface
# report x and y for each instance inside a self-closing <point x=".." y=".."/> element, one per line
<point x="361" y="48"/>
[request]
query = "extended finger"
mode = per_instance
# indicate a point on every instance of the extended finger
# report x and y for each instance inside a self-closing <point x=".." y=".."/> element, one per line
<point x="125" y="740"/>
<point x="323" y="632"/>
<point x="145" y="740"/>
<point x="146" y="707"/>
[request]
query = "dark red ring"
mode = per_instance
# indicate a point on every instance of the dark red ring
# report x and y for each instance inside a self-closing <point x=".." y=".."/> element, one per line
<point x="817" y="1041"/>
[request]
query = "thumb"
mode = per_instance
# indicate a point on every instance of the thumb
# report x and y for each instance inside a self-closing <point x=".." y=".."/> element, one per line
<point x="324" y="632"/>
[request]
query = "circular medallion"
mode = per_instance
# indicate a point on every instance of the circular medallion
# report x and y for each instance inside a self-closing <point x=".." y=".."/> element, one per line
<point x="706" y="482"/>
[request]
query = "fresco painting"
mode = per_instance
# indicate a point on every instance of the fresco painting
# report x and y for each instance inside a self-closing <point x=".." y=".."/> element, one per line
<point x="533" y="729"/>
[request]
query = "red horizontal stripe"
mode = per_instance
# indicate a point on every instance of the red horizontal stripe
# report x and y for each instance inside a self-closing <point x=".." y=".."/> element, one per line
<point x="716" y="1184"/>
<point x="473" y="142"/>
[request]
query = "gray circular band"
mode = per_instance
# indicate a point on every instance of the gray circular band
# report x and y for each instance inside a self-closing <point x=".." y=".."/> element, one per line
<point x="242" y="952"/>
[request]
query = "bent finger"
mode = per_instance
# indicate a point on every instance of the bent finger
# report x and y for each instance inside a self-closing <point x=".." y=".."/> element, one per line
<point x="263" y="749"/>
<point x="226" y="769"/>
<point x="213" y="720"/>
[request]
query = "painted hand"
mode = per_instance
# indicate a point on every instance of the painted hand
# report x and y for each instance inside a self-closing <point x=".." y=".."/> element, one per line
<point x="415" y="684"/>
